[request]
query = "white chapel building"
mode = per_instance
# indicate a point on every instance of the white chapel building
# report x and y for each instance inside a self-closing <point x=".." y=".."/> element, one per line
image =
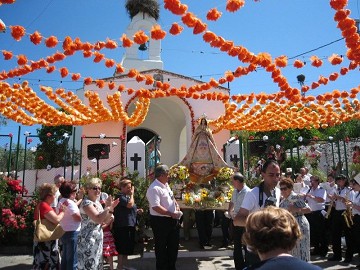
<point x="172" y="118"/>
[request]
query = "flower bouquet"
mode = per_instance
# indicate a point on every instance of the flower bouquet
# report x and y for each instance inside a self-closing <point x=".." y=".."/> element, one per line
<point x="179" y="174"/>
<point x="224" y="174"/>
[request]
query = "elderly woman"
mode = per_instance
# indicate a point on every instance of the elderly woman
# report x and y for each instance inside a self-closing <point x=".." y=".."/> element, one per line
<point x="296" y="205"/>
<point x="273" y="232"/>
<point x="90" y="239"/>
<point x="71" y="224"/>
<point x="46" y="254"/>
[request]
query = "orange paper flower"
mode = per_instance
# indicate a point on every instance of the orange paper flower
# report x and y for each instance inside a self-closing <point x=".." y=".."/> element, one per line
<point x="88" y="81"/>
<point x="335" y="59"/>
<point x="7" y="55"/>
<point x="213" y="14"/>
<point x="315" y="61"/>
<point x="111" y="44"/>
<point x="234" y="5"/>
<point x="36" y="38"/>
<point x="338" y="4"/>
<point x="51" y="42"/>
<point x="175" y="29"/>
<point x="140" y="37"/>
<point x="64" y="72"/>
<point x="109" y="63"/>
<point x="22" y="60"/>
<point x="17" y="32"/>
<point x="157" y="33"/>
<point x="281" y="61"/>
<point x="199" y="27"/>
<point x="75" y="76"/>
<point x="298" y="64"/>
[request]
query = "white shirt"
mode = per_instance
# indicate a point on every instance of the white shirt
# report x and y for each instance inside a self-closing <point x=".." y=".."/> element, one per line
<point x="313" y="204"/>
<point x="159" y="194"/>
<point x="356" y="201"/>
<point x="67" y="222"/>
<point x="251" y="199"/>
<point x="345" y="193"/>
<point x="56" y="199"/>
<point x="238" y="197"/>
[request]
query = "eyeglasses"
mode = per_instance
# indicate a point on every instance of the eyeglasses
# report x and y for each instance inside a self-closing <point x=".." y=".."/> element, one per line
<point x="96" y="188"/>
<point x="284" y="188"/>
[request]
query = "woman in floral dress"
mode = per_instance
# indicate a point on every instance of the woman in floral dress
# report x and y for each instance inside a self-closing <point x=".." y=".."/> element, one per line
<point x="90" y="240"/>
<point x="296" y="205"/>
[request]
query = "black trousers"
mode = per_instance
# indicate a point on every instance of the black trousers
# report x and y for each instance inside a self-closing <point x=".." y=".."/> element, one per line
<point x="355" y="234"/>
<point x="238" y="247"/>
<point x="204" y="223"/>
<point x="340" y="228"/>
<point x="318" y="237"/>
<point x="166" y="235"/>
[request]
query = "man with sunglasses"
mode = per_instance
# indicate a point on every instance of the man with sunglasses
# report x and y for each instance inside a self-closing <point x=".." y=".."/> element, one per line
<point x="164" y="219"/>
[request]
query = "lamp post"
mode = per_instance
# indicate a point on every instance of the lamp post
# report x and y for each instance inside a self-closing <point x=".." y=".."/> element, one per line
<point x="301" y="80"/>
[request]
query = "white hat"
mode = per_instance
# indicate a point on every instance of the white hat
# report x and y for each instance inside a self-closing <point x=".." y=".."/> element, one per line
<point x="357" y="178"/>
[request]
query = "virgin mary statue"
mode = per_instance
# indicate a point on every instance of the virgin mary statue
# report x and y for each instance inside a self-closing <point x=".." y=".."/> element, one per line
<point x="202" y="158"/>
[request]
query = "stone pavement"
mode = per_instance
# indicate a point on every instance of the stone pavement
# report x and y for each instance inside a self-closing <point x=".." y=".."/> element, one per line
<point x="190" y="258"/>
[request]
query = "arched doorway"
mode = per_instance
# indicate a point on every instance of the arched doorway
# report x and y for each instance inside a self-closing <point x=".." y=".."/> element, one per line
<point x="144" y="134"/>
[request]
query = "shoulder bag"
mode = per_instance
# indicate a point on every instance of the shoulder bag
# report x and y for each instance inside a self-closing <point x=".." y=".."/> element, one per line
<point x="46" y="230"/>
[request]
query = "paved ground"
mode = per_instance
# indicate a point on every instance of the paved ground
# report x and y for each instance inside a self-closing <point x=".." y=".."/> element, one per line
<point x="190" y="258"/>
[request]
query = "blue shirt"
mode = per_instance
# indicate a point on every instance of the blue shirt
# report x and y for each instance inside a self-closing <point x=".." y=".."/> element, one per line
<point x="124" y="216"/>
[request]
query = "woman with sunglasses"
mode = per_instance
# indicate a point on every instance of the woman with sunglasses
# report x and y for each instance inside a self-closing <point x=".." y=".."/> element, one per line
<point x="296" y="206"/>
<point x="90" y="240"/>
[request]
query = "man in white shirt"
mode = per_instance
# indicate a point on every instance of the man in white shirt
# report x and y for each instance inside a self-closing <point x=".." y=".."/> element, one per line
<point x="316" y="197"/>
<point x="263" y="195"/>
<point x="240" y="189"/>
<point x="164" y="219"/>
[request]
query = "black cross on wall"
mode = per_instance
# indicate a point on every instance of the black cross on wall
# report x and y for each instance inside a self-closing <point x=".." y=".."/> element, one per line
<point x="136" y="159"/>
<point x="234" y="159"/>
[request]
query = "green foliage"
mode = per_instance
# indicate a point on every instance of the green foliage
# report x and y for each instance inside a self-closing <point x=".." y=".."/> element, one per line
<point x="53" y="149"/>
<point x="295" y="163"/>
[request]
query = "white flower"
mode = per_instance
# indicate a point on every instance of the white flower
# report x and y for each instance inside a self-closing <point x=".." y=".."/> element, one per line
<point x="114" y="144"/>
<point x="265" y="138"/>
<point x="48" y="167"/>
<point x="102" y="135"/>
<point x="33" y="149"/>
<point x="66" y="135"/>
<point x="278" y="146"/>
<point x="27" y="133"/>
<point x="331" y="138"/>
<point x="93" y="160"/>
<point x="300" y="139"/>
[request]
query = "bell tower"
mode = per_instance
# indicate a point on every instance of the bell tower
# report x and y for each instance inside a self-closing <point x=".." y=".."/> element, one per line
<point x="144" y="14"/>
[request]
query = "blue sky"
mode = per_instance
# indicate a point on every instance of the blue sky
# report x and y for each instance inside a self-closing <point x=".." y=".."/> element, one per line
<point x="277" y="27"/>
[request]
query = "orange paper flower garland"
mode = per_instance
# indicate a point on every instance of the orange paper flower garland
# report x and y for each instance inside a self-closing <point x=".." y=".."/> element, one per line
<point x="257" y="112"/>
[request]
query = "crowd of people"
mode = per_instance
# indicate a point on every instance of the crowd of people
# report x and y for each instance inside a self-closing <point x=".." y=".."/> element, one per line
<point x="312" y="215"/>
<point x="97" y="226"/>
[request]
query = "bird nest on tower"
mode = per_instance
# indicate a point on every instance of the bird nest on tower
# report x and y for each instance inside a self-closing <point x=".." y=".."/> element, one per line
<point x="151" y="7"/>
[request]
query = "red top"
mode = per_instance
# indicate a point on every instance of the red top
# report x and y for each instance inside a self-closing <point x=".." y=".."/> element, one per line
<point x="44" y="209"/>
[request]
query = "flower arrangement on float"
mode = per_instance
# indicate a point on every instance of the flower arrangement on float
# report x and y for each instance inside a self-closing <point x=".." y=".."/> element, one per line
<point x="213" y="194"/>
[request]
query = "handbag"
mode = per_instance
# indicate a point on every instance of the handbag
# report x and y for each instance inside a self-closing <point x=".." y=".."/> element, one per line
<point x="46" y="230"/>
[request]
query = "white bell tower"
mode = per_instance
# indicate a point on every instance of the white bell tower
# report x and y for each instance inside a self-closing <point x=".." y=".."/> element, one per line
<point x="146" y="56"/>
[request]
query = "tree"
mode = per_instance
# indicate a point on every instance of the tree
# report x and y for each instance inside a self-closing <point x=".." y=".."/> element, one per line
<point x="53" y="149"/>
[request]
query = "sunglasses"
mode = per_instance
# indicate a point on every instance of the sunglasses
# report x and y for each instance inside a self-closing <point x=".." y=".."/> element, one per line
<point x="283" y="188"/>
<point x="96" y="188"/>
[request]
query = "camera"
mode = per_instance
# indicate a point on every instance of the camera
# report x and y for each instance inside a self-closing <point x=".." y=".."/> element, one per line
<point x="270" y="201"/>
